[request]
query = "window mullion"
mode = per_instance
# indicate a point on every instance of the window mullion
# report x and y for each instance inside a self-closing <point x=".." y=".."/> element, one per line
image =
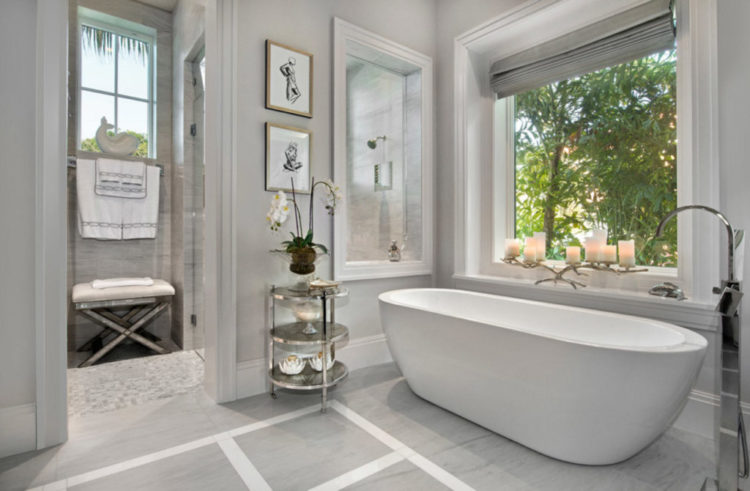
<point x="117" y="63"/>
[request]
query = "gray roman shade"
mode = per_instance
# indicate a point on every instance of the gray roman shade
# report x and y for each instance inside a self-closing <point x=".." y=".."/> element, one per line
<point x="629" y="35"/>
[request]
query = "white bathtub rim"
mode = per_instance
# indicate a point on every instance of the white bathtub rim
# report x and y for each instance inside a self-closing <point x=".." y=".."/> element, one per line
<point x="691" y="341"/>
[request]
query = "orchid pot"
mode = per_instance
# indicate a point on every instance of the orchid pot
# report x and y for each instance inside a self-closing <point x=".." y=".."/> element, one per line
<point x="301" y="252"/>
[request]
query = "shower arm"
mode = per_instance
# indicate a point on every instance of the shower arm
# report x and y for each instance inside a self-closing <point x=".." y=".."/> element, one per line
<point x="717" y="214"/>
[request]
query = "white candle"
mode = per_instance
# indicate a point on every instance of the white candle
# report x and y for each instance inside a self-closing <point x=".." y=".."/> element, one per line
<point x="572" y="254"/>
<point x="593" y="250"/>
<point x="512" y="248"/>
<point x="529" y="253"/>
<point x="627" y="253"/>
<point x="600" y="235"/>
<point x="609" y="254"/>
<point x="541" y="245"/>
<point x="529" y="250"/>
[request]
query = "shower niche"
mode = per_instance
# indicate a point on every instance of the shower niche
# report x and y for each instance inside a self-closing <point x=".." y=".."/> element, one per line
<point x="382" y="156"/>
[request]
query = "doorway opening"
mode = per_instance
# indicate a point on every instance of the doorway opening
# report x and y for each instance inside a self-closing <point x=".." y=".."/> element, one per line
<point x="135" y="214"/>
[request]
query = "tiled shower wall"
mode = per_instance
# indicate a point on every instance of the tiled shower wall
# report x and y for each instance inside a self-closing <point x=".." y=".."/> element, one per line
<point x="89" y="259"/>
<point x="381" y="102"/>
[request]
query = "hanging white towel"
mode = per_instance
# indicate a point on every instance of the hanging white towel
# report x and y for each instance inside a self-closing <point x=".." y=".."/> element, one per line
<point x="99" y="217"/>
<point x="140" y="217"/>
<point x="117" y="282"/>
<point x="120" y="178"/>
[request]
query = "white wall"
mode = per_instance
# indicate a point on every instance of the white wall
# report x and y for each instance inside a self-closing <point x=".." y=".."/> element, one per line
<point x="454" y="17"/>
<point x="17" y="205"/>
<point x="308" y="26"/>
<point x="734" y="128"/>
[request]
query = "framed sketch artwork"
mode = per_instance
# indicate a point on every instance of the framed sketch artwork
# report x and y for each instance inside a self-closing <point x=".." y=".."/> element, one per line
<point x="289" y="74"/>
<point x="287" y="157"/>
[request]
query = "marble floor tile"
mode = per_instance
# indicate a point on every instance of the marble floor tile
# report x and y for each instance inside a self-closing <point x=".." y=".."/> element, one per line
<point x="313" y="448"/>
<point x="401" y="476"/>
<point x="28" y="469"/>
<point x="309" y="450"/>
<point x="97" y="440"/>
<point x="202" y="469"/>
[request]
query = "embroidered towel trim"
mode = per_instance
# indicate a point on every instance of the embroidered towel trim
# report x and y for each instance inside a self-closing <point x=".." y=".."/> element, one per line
<point x="121" y="179"/>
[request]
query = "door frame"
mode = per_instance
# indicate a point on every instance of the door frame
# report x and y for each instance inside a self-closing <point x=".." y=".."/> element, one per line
<point x="50" y="316"/>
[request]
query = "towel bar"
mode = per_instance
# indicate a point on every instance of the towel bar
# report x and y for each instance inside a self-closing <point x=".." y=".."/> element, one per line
<point x="72" y="159"/>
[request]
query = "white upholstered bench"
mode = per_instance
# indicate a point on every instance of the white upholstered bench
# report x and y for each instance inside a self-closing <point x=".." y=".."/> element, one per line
<point x="144" y="304"/>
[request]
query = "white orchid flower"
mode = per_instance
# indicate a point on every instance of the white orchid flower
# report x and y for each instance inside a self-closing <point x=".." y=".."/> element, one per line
<point x="279" y="211"/>
<point x="332" y="195"/>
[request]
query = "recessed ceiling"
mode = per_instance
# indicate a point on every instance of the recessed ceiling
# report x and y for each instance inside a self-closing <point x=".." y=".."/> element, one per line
<point x="168" y="5"/>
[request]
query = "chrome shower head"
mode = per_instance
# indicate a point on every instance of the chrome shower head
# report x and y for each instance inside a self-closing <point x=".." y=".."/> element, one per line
<point x="374" y="142"/>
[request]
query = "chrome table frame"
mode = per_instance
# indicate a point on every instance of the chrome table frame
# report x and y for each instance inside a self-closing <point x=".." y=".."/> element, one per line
<point x="141" y="312"/>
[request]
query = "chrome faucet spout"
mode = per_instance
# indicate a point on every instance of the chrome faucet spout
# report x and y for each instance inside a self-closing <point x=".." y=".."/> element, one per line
<point x="717" y="214"/>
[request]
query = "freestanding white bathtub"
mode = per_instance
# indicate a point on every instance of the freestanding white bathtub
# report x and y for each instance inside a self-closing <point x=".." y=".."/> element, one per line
<point x="578" y="385"/>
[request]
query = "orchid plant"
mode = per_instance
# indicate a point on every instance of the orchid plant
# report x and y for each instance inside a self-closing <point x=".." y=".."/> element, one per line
<point x="282" y="206"/>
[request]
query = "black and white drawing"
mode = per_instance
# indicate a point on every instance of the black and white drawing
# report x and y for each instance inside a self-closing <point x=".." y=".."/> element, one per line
<point x="292" y="90"/>
<point x="287" y="157"/>
<point x="288" y="79"/>
<point x="291" y="153"/>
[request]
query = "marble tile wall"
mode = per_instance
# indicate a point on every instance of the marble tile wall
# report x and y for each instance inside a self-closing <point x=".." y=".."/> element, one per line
<point x="89" y="259"/>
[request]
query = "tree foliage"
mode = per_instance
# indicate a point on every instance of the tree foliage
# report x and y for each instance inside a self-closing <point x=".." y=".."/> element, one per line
<point x="90" y="145"/>
<point x="102" y="43"/>
<point x="599" y="151"/>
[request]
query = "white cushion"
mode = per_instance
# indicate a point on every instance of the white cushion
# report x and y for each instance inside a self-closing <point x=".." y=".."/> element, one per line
<point x="84" y="292"/>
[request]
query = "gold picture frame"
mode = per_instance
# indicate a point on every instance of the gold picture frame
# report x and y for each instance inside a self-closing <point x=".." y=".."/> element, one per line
<point x="289" y="79"/>
<point x="288" y="155"/>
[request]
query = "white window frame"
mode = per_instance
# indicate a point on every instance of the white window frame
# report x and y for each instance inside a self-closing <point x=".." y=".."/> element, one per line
<point x="124" y="28"/>
<point x="479" y="210"/>
<point x="344" y="32"/>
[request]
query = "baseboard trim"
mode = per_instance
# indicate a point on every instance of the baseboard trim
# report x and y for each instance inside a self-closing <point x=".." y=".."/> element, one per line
<point x="358" y="353"/>
<point x="18" y="429"/>
<point x="699" y="414"/>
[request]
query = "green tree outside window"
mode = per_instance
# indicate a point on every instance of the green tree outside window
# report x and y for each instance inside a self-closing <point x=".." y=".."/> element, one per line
<point x="599" y="151"/>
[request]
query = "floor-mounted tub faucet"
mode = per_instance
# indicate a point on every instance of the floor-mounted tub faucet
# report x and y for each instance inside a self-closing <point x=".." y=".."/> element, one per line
<point x="730" y="438"/>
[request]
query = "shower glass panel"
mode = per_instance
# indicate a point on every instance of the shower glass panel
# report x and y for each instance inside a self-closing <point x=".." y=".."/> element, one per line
<point x="384" y="159"/>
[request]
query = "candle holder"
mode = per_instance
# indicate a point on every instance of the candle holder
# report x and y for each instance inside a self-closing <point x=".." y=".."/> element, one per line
<point x="559" y="273"/>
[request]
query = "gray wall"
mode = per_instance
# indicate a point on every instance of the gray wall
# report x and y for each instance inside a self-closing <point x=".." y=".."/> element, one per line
<point x="308" y="26"/>
<point x="734" y="127"/>
<point x="89" y="259"/>
<point x="17" y="202"/>
<point x="454" y="17"/>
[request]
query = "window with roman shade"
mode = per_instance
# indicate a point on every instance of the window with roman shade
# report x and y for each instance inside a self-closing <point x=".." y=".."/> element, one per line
<point x="586" y="133"/>
<point x="642" y="30"/>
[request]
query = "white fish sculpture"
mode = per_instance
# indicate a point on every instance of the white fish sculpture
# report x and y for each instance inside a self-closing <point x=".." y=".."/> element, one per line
<point x="120" y="144"/>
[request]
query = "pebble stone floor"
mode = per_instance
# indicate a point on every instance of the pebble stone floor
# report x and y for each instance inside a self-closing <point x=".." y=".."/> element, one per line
<point x="119" y="384"/>
<point x="376" y="435"/>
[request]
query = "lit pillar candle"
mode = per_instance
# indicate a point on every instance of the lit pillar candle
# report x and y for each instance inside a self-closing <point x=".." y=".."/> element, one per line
<point x="512" y="248"/>
<point x="609" y="254"/>
<point x="593" y="249"/>
<point x="529" y="250"/>
<point x="572" y="254"/>
<point x="627" y="253"/>
<point x="541" y="245"/>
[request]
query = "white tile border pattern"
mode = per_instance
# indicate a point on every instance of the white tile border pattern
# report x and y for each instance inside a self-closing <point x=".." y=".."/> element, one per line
<point x="409" y="454"/>
<point x="250" y="474"/>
